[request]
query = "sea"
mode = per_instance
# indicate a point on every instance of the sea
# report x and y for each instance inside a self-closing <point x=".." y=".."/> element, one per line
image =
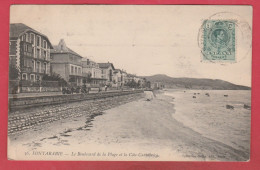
<point x="221" y="115"/>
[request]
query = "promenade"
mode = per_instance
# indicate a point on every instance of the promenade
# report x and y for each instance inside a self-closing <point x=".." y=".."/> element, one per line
<point x="20" y="95"/>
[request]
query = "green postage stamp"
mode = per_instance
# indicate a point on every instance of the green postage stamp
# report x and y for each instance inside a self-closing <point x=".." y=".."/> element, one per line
<point x="219" y="40"/>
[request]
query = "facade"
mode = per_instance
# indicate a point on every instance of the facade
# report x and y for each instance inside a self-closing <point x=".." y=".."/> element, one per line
<point x="66" y="63"/>
<point x="117" y="78"/>
<point x="107" y="70"/>
<point x="29" y="51"/>
<point x="91" y="69"/>
<point x="124" y="77"/>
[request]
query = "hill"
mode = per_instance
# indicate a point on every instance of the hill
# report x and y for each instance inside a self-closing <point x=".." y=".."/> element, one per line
<point x="194" y="83"/>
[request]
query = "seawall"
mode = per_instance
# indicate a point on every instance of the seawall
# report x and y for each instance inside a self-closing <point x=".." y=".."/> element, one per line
<point x="27" y="102"/>
<point x="53" y="108"/>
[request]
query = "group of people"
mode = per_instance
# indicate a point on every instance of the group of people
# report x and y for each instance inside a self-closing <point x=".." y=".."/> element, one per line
<point x="83" y="89"/>
<point x="71" y="90"/>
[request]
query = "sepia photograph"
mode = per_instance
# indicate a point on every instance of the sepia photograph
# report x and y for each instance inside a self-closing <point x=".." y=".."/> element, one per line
<point x="130" y="82"/>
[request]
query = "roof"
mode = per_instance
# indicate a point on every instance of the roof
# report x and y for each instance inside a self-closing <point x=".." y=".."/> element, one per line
<point x="62" y="48"/>
<point x="68" y="50"/>
<point x="117" y="70"/>
<point x="106" y="65"/>
<point x="17" y="29"/>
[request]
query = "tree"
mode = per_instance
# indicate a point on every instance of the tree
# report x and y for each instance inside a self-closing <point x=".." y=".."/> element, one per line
<point x="148" y="84"/>
<point x="55" y="77"/>
<point x="132" y="84"/>
<point x="88" y="78"/>
<point x="13" y="72"/>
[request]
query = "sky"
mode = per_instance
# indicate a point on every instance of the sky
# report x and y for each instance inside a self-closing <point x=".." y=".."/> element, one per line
<point x="143" y="39"/>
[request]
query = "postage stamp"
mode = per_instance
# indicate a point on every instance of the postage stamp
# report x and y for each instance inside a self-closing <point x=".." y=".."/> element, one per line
<point x="219" y="40"/>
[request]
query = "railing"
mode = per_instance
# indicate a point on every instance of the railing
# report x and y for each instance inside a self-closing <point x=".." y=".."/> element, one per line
<point x="27" y="69"/>
<point x="28" y="83"/>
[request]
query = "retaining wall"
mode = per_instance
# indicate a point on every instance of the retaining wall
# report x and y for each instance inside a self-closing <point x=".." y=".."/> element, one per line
<point x="26" y="102"/>
<point x="25" y="119"/>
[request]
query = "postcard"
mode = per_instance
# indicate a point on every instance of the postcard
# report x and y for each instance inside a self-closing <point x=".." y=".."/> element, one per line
<point x="130" y="82"/>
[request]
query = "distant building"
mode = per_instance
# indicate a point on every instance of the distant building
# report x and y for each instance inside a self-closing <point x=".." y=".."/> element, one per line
<point x="91" y="69"/>
<point x="66" y="63"/>
<point x="118" y="78"/>
<point x="142" y="82"/>
<point x="124" y="78"/>
<point x="107" y="70"/>
<point x="157" y="85"/>
<point x="29" y="51"/>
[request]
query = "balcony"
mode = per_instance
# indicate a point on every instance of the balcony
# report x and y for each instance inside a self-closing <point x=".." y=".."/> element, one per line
<point x="26" y="69"/>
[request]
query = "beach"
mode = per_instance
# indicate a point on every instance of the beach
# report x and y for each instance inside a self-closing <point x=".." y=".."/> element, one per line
<point x="167" y="126"/>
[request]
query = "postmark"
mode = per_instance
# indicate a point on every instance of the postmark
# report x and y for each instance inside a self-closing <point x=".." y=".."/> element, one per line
<point x="219" y="40"/>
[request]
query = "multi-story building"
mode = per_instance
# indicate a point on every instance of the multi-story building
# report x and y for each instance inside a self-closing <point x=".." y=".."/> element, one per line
<point x="92" y="71"/>
<point x="107" y="70"/>
<point x="124" y="77"/>
<point x="117" y="78"/>
<point x="29" y="51"/>
<point x="66" y="63"/>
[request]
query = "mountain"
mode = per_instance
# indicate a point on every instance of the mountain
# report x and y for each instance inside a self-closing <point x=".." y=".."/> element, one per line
<point x="194" y="83"/>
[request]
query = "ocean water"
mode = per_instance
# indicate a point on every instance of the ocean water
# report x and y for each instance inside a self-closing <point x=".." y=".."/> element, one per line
<point x="209" y="115"/>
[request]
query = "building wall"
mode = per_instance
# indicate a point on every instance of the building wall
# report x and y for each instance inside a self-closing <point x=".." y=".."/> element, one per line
<point x="67" y="65"/>
<point x="107" y="74"/>
<point x="31" y="57"/>
<point x="59" y="58"/>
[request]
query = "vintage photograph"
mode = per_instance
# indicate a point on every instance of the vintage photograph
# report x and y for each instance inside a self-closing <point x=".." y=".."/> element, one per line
<point x="130" y="82"/>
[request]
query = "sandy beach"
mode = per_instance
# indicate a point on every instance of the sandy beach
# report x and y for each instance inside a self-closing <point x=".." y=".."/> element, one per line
<point x="150" y="130"/>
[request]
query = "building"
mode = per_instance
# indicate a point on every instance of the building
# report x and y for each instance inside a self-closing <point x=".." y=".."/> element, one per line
<point x="117" y="78"/>
<point x="92" y="73"/>
<point x="29" y="51"/>
<point x="66" y="63"/>
<point x="157" y="85"/>
<point x="124" y="78"/>
<point x="107" y="70"/>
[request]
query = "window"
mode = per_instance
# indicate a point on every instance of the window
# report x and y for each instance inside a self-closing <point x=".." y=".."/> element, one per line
<point x="72" y="69"/>
<point x="23" y="38"/>
<point x="38" y="41"/>
<point x="33" y="51"/>
<point x="45" y="68"/>
<point x="26" y="37"/>
<point x="76" y="70"/>
<point x="44" y="54"/>
<point x="38" y="66"/>
<point x="33" y="66"/>
<point x="37" y="77"/>
<point x="38" y="53"/>
<point x="24" y="76"/>
<point x="32" y="77"/>
<point x="79" y="70"/>
<point x="44" y="44"/>
<point x="25" y="47"/>
<point x="32" y="38"/>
